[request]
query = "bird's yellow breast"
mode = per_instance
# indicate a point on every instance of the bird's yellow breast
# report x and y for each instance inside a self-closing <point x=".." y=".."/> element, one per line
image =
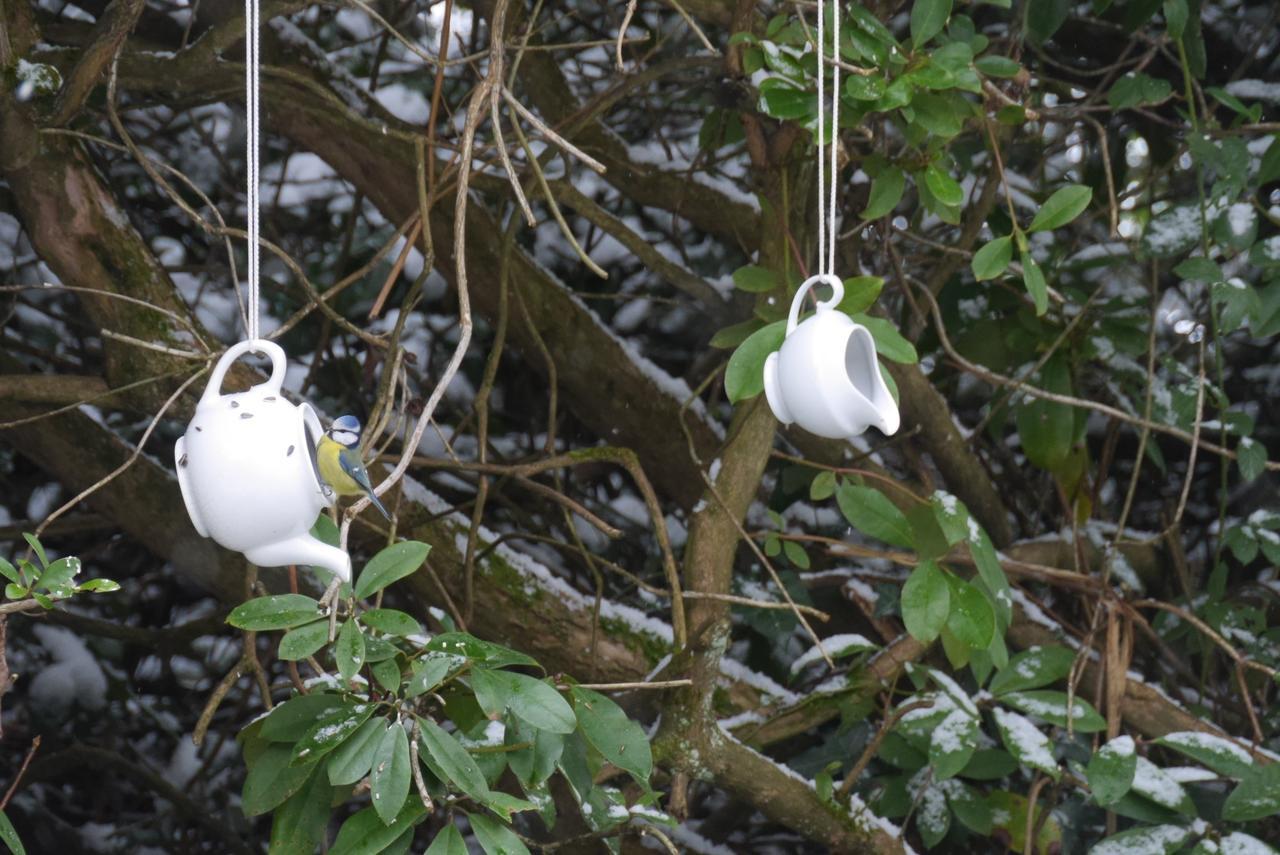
<point x="331" y="471"/>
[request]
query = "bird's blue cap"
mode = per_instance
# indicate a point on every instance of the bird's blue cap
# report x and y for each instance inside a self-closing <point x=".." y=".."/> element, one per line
<point x="347" y="423"/>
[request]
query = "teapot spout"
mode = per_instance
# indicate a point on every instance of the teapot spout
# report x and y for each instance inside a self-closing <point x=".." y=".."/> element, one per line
<point x="303" y="549"/>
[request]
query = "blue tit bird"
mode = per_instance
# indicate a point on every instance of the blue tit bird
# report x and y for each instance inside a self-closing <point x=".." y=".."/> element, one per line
<point x="338" y="456"/>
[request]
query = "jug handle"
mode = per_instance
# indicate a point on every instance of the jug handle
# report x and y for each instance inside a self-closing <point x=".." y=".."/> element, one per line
<point x="272" y="383"/>
<point x="837" y="294"/>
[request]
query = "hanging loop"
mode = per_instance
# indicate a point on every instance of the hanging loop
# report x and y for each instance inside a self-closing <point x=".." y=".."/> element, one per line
<point x="837" y="294"/>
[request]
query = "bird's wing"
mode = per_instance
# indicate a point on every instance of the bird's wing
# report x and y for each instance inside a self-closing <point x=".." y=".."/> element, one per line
<point x="351" y="464"/>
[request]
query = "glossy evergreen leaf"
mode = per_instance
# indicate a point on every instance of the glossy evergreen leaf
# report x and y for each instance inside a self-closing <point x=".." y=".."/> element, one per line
<point x="928" y="17"/>
<point x="494" y="837"/>
<point x="1033" y="668"/>
<point x="453" y="760"/>
<point x="1062" y="207"/>
<point x="1111" y="770"/>
<point x="352" y="760"/>
<point x="279" y="611"/>
<point x="390" y="565"/>
<point x="992" y="258"/>
<point x="744" y="376"/>
<point x="926" y="601"/>
<point x="298" y="827"/>
<point x="619" y="739"/>
<point x="302" y="641"/>
<point x="886" y="192"/>
<point x="390" y="777"/>
<point x="348" y="651"/>
<point x="871" y="512"/>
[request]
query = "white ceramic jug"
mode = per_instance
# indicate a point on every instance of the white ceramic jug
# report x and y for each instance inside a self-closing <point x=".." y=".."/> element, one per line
<point x="825" y="377"/>
<point x="247" y="470"/>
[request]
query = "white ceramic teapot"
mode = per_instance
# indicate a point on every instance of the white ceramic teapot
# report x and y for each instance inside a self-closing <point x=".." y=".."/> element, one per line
<point x="825" y="377"/>
<point x="248" y="474"/>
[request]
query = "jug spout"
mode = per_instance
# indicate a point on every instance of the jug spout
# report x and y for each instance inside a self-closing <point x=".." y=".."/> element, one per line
<point x="303" y="549"/>
<point x="871" y="402"/>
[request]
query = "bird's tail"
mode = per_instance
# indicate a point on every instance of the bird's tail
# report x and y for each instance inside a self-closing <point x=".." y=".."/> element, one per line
<point x="377" y="504"/>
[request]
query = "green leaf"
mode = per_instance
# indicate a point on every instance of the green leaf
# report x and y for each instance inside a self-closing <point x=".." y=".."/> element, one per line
<point x="391" y="622"/>
<point x="429" y="673"/>
<point x="730" y="337"/>
<point x="389" y="781"/>
<point x="364" y="833"/>
<point x="938" y="114"/>
<point x="9" y="572"/>
<point x="1175" y="17"/>
<point x="386" y="673"/>
<point x="1136" y="89"/>
<point x="1052" y="707"/>
<point x="271" y="780"/>
<point x="754" y="279"/>
<point x="619" y="739"/>
<point x="1033" y="668"/>
<point x="952" y="743"/>
<point x="1147" y="840"/>
<point x="348" y="652"/>
<point x="1200" y="269"/>
<point x="1251" y="457"/>
<point x="390" y="565"/>
<point x="303" y="641"/>
<point x="744" y="376"/>
<point x="795" y="554"/>
<point x="1062" y="207"/>
<point x="1153" y="783"/>
<point x="448" y="842"/>
<point x="871" y="513"/>
<point x="1044" y="17"/>
<point x="886" y="192"/>
<point x="928" y="17"/>
<point x="1218" y="753"/>
<point x="971" y="618"/>
<point x="945" y="188"/>
<point x="331" y="731"/>
<point x="56" y="579"/>
<point x="865" y="88"/>
<point x="1111" y="770"/>
<point x="889" y="342"/>
<point x="992" y="258"/>
<point x="823" y="486"/>
<point x="998" y="66"/>
<point x="991" y="573"/>
<point x="299" y="825"/>
<point x="453" y="760"/>
<point x="535" y="764"/>
<point x="1025" y="742"/>
<point x="860" y="293"/>
<point x="494" y="837"/>
<point x="9" y="836"/>
<point x="293" y="718"/>
<point x="1269" y="170"/>
<point x="1257" y="797"/>
<point x="481" y="652"/>
<point x="1047" y="428"/>
<point x="926" y="601"/>
<point x="353" y="759"/>
<point x="36" y="548"/>
<point x="98" y="586"/>
<point x="530" y="699"/>
<point x="280" y="611"/>
<point x="1033" y="281"/>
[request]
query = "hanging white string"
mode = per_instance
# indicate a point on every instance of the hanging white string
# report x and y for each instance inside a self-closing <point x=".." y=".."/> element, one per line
<point x="251" y="157"/>
<point x="827" y="195"/>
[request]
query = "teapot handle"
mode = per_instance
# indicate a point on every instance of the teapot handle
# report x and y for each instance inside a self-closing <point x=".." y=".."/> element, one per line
<point x="837" y="294"/>
<point x="270" y="348"/>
